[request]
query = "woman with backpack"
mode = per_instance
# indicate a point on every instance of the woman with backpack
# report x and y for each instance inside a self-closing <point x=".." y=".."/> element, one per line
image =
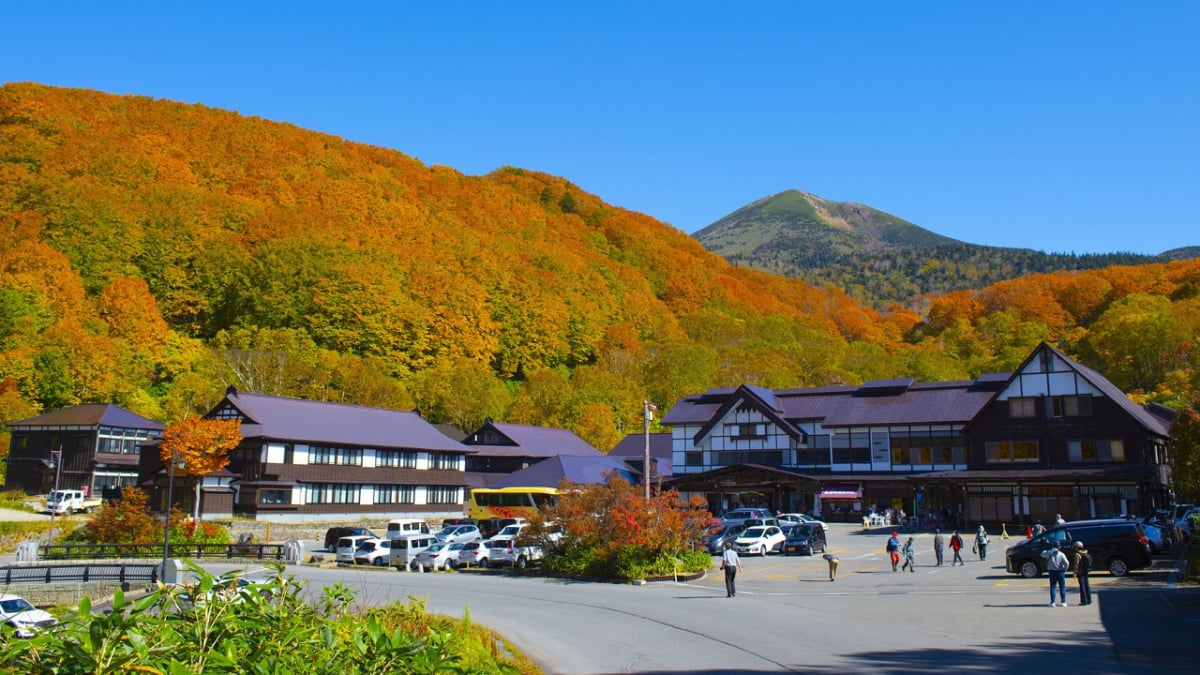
<point x="981" y="542"/>
<point x="956" y="544"/>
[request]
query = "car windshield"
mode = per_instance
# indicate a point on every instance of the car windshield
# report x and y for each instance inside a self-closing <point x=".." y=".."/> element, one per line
<point x="15" y="605"/>
<point x="754" y="532"/>
<point x="800" y="531"/>
<point x="510" y="531"/>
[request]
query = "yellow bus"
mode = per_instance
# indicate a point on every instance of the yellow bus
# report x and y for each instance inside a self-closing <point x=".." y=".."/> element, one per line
<point x="510" y="502"/>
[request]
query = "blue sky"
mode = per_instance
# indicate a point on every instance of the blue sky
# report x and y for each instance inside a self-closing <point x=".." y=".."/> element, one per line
<point x="1059" y="126"/>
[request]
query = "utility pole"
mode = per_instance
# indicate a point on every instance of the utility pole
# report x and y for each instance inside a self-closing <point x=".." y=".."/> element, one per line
<point x="56" y="462"/>
<point x="648" y="409"/>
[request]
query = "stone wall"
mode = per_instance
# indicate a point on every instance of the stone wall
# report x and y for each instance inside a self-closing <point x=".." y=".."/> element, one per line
<point x="51" y="595"/>
<point x="276" y="533"/>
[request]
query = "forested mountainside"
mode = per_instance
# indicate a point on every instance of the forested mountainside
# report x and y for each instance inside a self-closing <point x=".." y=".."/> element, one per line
<point x="878" y="258"/>
<point x="153" y="253"/>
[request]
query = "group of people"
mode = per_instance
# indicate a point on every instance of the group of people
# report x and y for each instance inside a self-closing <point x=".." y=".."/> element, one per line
<point x="1057" y="565"/>
<point x="897" y="551"/>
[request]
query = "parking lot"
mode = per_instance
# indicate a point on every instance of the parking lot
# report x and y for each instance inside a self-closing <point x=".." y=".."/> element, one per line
<point x="787" y="616"/>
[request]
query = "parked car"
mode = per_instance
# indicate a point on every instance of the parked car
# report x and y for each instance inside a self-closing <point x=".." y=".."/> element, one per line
<point x="1116" y="545"/>
<point x="489" y="527"/>
<point x="406" y="547"/>
<point x="1157" y="537"/>
<point x="334" y="533"/>
<point x="24" y="618"/>
<point x="739" y="516"/>
<point x="799" y="518"/>
<point x="755" y="522"/>
<point x="373" y="552"/>
<point x="497" y="548"/>
<point x="459" y="534"/>
<point x="348" y="546"/>
<point x="508" y="552"/>
<point x="440" y="556"/>
<point x="510" y="531"/>
<point x="451" y="522"/>
<point x="473" y="554"/>
<point x="762" y="540"/>
<point x="1183" y="524"/>
<point x="714" y="540"/>
<point x="806" y="538"/>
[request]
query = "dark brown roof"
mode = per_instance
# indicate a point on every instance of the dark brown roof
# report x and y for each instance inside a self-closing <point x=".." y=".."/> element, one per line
<point x="91" y="415"/>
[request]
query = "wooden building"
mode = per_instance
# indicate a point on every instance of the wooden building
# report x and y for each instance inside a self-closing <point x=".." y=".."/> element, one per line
<point x="100" y="445"/>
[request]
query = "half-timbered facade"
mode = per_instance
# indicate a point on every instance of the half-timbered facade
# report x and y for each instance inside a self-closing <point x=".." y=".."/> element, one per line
<point x="1053" y="437"/>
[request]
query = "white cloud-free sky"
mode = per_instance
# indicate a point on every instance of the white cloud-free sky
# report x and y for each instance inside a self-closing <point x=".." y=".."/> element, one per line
<point x="1060" y="126"/>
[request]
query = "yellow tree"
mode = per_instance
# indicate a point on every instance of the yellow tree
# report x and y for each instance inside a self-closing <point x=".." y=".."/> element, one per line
<point x="201" y="446"/>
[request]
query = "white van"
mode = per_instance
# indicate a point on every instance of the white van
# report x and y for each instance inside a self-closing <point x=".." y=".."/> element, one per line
<point x="406" y="526"/>
<point x="406" y="547"/>
<point x="347" y="546"/>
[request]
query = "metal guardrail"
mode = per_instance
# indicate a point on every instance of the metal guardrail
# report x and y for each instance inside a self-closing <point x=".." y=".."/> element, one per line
<point x="28" y="573"/>
<point x="195" y="551"/>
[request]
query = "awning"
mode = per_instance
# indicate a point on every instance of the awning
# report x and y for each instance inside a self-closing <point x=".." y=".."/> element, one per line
<point x="841" y="492"/>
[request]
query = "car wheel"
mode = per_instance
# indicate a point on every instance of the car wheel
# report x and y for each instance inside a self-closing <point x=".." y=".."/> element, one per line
<point x="1118" y="567"/>
<point x="1030" y="569"/>
<point x="378" y="562"/>
<point x="762" y="551"/>
<point x="521" y="563"/>
<point x="483" y="562"/>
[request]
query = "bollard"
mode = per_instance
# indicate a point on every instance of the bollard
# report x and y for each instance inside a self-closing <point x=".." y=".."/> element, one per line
<point x="1004" y="530"/>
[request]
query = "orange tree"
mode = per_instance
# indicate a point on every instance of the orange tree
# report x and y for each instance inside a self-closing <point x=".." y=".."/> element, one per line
<point x="123" y="521"/>
<point x="201" y="445"/>
<point x="611" y="530"/>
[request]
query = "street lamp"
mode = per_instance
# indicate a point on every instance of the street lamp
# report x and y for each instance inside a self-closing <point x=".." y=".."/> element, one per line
<point x="648" y="409"/>
<point x="167" y="515"/>
<point x="56" y="464"/>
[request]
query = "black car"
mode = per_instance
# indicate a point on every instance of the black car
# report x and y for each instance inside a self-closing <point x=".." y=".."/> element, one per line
<point x="806" y="538"/>
<point x="334" y="533"/>
<point x="1116" y="545"/>
<point x="714" y="540"/>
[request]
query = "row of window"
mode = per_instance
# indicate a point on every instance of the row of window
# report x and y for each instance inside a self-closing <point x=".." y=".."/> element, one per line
<point x="1083" y="451"/>
<point x="340" y="493"/>
<point x="1055" y="406"/>
<point x="402" y="459"/>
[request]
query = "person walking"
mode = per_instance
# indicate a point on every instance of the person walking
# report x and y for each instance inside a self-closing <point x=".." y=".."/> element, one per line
<point x="910" y="562"/>
<point x="732" y="564"/>
<point x="956" y="544"/>
<point x="981" y="542"/>
<point x="1056" y="569"/>
<point x="893" y="549"/>
<point x="833" y="565"/>
<point x="1083" y="565"/>
<point x="939" y="545"/>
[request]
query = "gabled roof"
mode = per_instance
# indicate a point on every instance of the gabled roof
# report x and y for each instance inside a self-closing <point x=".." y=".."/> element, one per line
<point x="318" y="422"/>
<point x="521" y="440"/>
<point x="550" y="472"/>
<point x="1153" y="419"/>
<point x="633" y="448"/>
<point x="91" y="414"/>
<point x="758" y="398"/>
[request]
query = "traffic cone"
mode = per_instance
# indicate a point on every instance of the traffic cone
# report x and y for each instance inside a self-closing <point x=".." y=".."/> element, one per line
<point x="1029" y="532"/>
<point x="1004" y="530"/>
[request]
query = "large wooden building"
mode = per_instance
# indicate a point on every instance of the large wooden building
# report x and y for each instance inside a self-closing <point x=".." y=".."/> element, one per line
<point x="1053" y="437"/>
<point x="99" y="445"/>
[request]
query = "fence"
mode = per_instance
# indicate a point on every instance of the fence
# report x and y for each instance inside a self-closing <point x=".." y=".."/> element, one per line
<point x="123" y="572"/>
<point x="277" y="552"/>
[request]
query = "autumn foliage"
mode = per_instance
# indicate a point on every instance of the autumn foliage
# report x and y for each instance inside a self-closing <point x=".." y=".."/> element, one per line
<point x="125" y="521"/>
<point x="201" y="445"/>
<point x="610" y="529"/>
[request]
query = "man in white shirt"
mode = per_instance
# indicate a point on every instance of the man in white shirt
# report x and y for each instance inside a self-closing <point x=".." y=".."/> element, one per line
<point x="732" y="564"/>
<point x="1056" y="569"/>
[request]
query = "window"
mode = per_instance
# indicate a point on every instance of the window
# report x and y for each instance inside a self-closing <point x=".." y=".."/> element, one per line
<point x="116" y="441"/>
<point x="740" y="431"/>
<point x="693" y="458"/>
<point x="396" y="459"/>
<point x="444" y="462"/>
<point x="440" y="494"/>
<point x="1087" y="451"/>
<point x="1022" y="407"/>
<point x="331" y="493"/>
<point x="1070" y="406"/>
<point x="1012" y="451"/>
<point x="227" y="412"/>
<point x="342" y="456"/>
<point x="276" y="497"/>
<point x="395" y="494"/>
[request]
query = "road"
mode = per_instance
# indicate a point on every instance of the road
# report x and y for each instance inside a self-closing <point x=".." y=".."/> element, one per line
<point x="787" y="616"/>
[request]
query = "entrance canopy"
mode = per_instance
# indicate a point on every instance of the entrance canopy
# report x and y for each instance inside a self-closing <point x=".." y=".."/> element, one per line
<point x="841" y="491"/>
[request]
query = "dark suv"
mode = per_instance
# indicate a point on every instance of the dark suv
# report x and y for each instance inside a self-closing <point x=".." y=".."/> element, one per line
<point x="335" y="533"/>
<point x="1115" y="545"/>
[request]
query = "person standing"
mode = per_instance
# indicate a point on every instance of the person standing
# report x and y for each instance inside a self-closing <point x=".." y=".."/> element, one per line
<point x="1037" y="529"/>
<point x="1056" y="569"/>
<point x="910" y="562"/>
<point x="956" y="544"/>
<point x="732" y="564"/>
<point x="893" y="549"/>
<point x="981" y="542"/>
<point x="833" y="565"/>
<point x="939" y="545"/>
<point x="1058" y="520"/>
<point x="1083" y="565"/>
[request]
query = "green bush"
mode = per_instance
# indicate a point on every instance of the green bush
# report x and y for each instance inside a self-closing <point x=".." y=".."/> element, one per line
<point x="219" y="626"/>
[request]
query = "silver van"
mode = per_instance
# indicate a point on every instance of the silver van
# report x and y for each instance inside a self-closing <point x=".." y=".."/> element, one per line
<point x="406" y="547"/>
<point x="402" y="527"/>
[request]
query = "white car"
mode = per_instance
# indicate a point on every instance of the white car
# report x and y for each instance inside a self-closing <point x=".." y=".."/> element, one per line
<point x="348" y="546"/>
<point x="760" y="540"/>
<point x="24" y="617"/>
<point x="800" y="518"/>
<point x="440" y="556"/>
<point x="373" y="552"/>
<point x="473" y="554"/>
<point x="459" y="534"/>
